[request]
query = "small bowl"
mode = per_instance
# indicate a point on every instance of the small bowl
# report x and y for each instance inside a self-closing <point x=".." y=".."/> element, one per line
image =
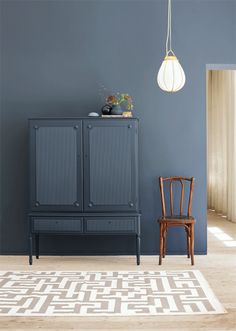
<point x="93" y="114"/>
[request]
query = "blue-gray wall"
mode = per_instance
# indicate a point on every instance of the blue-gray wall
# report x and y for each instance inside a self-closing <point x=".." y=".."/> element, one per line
<point x="55" y="56"/>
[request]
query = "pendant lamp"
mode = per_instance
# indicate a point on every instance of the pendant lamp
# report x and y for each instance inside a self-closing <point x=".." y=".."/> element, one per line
<point x="171" y="77"/>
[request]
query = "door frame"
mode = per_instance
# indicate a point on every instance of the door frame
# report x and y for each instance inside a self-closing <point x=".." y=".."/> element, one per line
<point x="210" y="67"/>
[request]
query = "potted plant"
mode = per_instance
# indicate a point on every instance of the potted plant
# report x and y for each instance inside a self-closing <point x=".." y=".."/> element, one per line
<point x="119" y="102"/>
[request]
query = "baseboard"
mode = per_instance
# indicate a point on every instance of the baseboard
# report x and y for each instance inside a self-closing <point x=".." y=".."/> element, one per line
<point x="151" y="253"/>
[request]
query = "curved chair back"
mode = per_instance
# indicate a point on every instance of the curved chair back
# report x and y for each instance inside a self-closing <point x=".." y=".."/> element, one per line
<point x="183" y="182"/>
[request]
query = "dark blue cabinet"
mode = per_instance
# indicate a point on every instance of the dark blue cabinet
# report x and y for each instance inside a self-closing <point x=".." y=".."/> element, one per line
<point x="83" y="178"/>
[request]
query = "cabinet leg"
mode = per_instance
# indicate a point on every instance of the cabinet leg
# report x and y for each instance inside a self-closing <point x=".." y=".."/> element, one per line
<point x="138" y="240"/>
<point x="30" y="250"/>
<point x="37" y="245"/>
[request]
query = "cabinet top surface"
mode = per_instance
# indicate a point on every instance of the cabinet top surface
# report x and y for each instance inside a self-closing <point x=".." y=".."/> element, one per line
<point x="84" y="118"/>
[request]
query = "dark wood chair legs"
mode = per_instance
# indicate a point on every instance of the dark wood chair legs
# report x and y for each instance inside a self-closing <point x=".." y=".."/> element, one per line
<point x="164" y="240"/>
<point x="161" y="245"/>
<point x="189" y="238"/>
<point x="192" y="243"/>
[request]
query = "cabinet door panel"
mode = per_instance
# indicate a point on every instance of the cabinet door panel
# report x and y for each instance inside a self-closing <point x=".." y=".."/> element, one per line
<point x="56" y="165"/>
<point x="110" y="165"/>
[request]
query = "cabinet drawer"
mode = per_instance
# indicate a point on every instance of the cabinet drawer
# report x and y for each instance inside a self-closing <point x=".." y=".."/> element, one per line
<point x="112" y="225"/>
<point x="56" y="225"/>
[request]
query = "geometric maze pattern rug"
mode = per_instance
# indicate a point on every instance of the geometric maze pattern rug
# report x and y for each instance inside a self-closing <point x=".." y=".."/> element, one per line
<point x="106" y="293"/>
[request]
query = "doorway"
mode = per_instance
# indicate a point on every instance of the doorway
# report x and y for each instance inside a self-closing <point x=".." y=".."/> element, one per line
<point x="221" y="140"/>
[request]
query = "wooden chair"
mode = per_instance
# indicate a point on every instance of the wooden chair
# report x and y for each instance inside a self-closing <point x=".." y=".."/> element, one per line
<point x="177" y="220"/>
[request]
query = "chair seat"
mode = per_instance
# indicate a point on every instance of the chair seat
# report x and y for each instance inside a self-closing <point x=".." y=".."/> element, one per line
<point x="177" y="219"/>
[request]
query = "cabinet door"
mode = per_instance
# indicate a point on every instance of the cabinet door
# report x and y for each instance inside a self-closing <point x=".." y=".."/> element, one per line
<point x="55" y="165"/>
<point x="110" y="165"/>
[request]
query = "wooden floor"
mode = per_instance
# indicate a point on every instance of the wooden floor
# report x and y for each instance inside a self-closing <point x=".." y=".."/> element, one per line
<point x="218" y="267"/>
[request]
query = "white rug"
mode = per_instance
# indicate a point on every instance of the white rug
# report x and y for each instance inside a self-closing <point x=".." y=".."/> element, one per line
<point x="107" y="293"/>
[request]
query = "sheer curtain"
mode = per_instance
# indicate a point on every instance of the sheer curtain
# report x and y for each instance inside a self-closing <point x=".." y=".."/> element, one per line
<point x="222" y="142"/>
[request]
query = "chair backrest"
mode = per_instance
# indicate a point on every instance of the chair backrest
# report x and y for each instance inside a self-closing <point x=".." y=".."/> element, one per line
<point x="182" y="181"/>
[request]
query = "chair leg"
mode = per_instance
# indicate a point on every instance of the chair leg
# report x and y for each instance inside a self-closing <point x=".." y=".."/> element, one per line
<point x="161" y="243"/>
<point x="164" y="240"/>
<point x="188" y="239"/>
<point x="192" y="243"/>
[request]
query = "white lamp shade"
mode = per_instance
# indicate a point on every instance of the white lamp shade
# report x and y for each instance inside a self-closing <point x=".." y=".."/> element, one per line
<point x="171" y="77"/>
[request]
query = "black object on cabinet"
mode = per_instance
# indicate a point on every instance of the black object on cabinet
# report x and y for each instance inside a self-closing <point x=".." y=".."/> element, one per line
<point x="83" y="178"/>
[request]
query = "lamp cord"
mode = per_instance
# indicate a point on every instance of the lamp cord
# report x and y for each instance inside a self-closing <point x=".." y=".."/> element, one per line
<point x="169" y="28"/>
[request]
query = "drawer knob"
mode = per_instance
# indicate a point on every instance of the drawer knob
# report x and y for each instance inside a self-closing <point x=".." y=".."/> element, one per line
<point x="36" y="204"/>
<point x="89" y="126"/>
<point x="129" y="126"/>
<point x="131" y="204"/>
<point x="90" y="204"/>
<point x="76" y="204"/>
<point x="76" y="127"/>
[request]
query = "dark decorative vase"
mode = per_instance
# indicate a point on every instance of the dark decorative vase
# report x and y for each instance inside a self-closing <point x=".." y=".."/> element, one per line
<point x="116" y="110"/>
<point x="106" y="110"/>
